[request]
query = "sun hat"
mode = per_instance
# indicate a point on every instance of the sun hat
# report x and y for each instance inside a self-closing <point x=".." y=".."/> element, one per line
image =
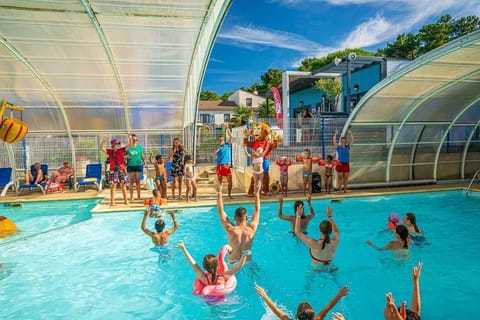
<point x="114" y="141"/>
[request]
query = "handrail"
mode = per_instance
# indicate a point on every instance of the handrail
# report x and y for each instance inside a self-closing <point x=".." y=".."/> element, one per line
<point x="477" y="174"/>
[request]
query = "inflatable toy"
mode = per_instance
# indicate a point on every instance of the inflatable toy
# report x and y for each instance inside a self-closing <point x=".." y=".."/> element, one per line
<point x="7" y="227"/>
<point x="11" y="129"/>
<point x="217" y="293"/>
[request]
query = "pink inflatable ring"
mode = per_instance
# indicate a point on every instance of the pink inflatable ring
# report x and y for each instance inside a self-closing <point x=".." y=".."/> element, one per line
<point x="217" y="293"/>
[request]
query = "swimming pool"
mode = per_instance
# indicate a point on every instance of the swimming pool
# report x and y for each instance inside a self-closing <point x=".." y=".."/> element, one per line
<point x="42" y="216"/>
<point x="103" y="268"/>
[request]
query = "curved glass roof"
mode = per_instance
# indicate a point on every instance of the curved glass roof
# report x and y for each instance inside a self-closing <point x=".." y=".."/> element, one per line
<point x="422" y="123"/>
<point x="111" y="65"/>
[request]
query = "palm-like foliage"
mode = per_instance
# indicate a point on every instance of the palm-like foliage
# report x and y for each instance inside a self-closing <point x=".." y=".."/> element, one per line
<point x="240" y="115"/>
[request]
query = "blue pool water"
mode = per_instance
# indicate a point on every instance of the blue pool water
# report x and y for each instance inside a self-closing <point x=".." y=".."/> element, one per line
<point x="103" y="268"/>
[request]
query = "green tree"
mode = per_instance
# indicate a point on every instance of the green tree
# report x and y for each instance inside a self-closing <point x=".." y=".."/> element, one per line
<point x="264" y="112"/>
<point x="465" y="25"/>
<point x="207" y="95"/>
<point x="311" y="64"/>
<point x="433" y="35"/>
<point x="271" y="78"/>
<point x="225" y="96"/>
<point x="332" y="87"/>
<point x="406" y="46"/>
<point x="240" y="115"/>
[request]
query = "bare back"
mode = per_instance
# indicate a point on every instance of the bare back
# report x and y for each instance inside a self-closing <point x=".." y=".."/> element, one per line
<point x="160" y="238"/>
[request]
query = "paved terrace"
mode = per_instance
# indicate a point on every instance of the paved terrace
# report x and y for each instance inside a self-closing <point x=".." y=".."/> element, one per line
<point x="207" y="196"/>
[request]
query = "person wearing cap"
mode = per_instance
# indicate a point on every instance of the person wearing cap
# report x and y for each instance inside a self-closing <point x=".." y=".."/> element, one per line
<point x="63" y="174"/>
<point x="135" y="163"/>
<point x="160" y="237"/>
<point x="393" y="221"/>
<point x="117" y="167"/>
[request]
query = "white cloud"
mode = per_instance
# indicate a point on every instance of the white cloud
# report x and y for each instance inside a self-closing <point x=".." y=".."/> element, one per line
<point x="216" y="60"/>
<point x="251" y="37"/>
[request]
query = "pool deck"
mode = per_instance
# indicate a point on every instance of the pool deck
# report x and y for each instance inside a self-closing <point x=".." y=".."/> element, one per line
<point x="207" y="197"/>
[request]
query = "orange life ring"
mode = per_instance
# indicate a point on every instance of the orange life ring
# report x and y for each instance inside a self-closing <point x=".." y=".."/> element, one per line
<point x="12" y="130"/>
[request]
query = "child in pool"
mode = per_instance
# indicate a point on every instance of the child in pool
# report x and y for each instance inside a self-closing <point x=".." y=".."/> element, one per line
<point x="393" y="221"/>
<point x="210" y="264"/>
<point x="399" y="245"/>
<point x="304" y="309"/>
<point x="160" y="237"/>
<point x="188" y="171"/>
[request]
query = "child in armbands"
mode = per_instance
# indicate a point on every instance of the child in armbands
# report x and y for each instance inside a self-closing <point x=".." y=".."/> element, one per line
<point x="283" y="164"/>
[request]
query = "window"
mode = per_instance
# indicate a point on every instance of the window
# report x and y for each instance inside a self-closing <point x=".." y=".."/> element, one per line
<point x="226" y="117"/>
<point x="249" y="102"/>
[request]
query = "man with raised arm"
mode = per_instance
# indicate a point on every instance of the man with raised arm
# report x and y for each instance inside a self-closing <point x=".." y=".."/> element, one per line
<point x="240" y="235"/>
<point x="224" y="159"/>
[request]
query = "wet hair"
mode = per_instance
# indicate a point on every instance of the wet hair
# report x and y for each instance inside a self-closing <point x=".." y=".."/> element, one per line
<point x="329" y="157"/>
<point x="155" y="192"/>
<point x="326" y="229"/>
<point x="402" y="231"/>
<point x="295" y="206"/>
<point x="305" y="311"/>
<point x="159" y="225"/>
<point x="210" y="264"/>
<point x="413" y="221"/>
<point x="411" y="315"/>
<point x="240" y="213"/>
<point x="159" y="158"/>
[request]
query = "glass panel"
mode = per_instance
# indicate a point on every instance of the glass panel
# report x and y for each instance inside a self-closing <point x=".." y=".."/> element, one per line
<point x="96" y="119"/>
<point x="158" y="118"/>
<point x="472" y="115"/>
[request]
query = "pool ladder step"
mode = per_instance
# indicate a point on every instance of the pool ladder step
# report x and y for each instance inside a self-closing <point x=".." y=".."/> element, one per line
<point x="475" y="176"/>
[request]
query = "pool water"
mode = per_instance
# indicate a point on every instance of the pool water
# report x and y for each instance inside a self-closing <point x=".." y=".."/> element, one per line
<point x="103" y="268"/>
<point x="36" y="217"/>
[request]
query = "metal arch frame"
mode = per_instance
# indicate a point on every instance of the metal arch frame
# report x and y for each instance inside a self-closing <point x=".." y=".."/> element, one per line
<point x="17" y="53"/>
<point x="467" y="145"/>
<point x="465" y="41"/>
<point x="209" y="12"/>
<point x="442" y="140"/>
<point x="111" y="59"/>
<point x="414" y="108"/>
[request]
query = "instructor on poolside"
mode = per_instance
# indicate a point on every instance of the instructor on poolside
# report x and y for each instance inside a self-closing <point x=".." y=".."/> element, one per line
<point x="224" y="158"/>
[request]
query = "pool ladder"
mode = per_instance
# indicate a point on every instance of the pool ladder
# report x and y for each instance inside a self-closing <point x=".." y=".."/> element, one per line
<point x="476" y="175"/>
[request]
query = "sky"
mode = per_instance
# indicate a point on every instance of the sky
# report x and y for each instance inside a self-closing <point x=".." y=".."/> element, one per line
<point x="260" y="34"/>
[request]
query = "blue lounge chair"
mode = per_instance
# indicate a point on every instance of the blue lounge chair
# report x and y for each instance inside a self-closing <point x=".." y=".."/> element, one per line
<point x="93" y="177"/>
<point x="5" y="180"/>
<point x="31" y="186"/>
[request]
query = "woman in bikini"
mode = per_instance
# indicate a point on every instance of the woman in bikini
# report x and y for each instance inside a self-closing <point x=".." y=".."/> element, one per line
<point x="322" y="251"/>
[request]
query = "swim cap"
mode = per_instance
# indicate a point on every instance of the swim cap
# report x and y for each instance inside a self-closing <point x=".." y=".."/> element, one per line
<point x="393" y="217"/>
<point x="159" y="225"/>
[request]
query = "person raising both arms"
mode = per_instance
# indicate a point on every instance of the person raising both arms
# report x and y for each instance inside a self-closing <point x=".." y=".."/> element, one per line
<point x="304" y="309"/>
<point x="322" y="251"/>
<point x="224" y="158"/>
<point x="240" y="235"/>
<point x="391" y="311"/>
<point x="160" y="237"/>
<point x="343" y="150"/>
<point x="304" y="218"/>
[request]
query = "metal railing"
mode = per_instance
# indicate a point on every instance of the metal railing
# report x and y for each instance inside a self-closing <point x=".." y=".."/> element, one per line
<point x="476" y="175"/>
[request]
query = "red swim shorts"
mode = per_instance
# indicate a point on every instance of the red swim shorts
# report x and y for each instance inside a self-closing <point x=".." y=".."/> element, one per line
<point x="343" y="167"/>
<point x="224" y="170"/>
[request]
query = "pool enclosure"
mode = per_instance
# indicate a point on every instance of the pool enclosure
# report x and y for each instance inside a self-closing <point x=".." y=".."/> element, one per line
<point x="87" y="69"/>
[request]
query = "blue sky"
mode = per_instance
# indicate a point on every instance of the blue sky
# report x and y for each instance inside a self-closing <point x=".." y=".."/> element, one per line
<point x="261" y="34"/>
